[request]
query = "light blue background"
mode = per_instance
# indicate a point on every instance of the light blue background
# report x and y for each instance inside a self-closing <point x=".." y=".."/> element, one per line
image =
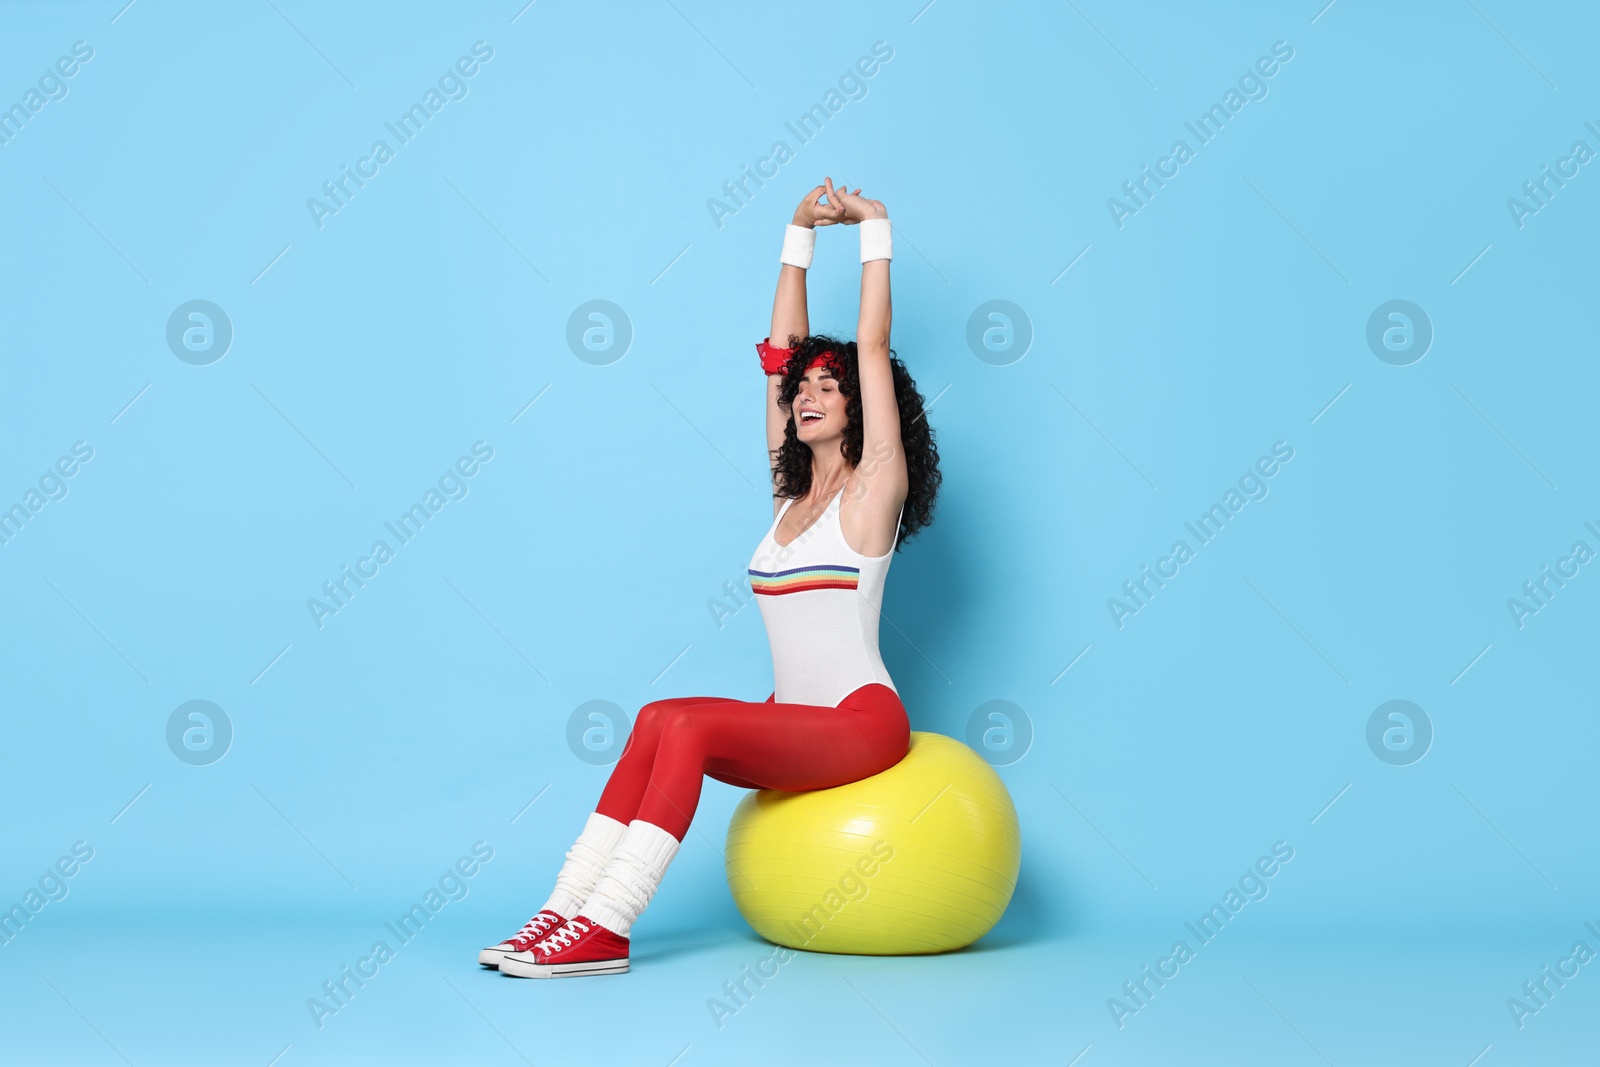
<point x="1228" y="314"/>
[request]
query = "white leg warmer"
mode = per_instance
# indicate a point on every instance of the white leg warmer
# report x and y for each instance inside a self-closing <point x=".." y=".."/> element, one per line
<point x="585" y="864"/>
<point x="631" y="877"/>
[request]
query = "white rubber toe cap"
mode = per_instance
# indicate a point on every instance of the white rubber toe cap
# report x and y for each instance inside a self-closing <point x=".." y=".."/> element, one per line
<point x="491" y="957"/>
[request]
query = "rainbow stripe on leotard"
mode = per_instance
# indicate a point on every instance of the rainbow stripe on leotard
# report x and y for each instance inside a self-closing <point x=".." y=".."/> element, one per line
<point x="803" y="579"/>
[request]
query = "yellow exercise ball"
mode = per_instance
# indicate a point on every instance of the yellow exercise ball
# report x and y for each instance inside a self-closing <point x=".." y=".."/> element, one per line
<point x="921" y="858"/>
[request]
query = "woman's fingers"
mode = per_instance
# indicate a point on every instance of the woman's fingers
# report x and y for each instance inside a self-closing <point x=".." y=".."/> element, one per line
<point x="850" y="204"/>
<point x="836" y="210"/>
<point x="835" y="199"/>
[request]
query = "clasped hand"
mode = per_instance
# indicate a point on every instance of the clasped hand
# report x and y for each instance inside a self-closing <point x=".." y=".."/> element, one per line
<point x="842" y="208"/>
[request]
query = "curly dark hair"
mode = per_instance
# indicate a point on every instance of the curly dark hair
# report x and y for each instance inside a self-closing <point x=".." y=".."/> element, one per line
<point x="792" y="475"/>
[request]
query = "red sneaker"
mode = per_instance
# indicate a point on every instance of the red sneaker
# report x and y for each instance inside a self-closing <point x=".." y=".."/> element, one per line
<point x="534" y="930"/>
<point x="582" y="946"/>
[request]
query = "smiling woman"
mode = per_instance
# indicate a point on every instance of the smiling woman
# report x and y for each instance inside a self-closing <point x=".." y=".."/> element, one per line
<point x="834" y="716"/>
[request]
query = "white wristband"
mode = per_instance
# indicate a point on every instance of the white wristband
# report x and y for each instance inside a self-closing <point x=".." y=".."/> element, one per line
<point x="876" y="242"/>
<point x="799" y="242"/>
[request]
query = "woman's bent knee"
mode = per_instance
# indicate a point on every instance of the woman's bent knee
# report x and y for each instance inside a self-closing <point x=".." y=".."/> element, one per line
<point x="681" y="727"/>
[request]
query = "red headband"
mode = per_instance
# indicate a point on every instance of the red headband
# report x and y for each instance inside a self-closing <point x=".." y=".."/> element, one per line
<point x="776" y="360"/>
<point x="828" y="359"/>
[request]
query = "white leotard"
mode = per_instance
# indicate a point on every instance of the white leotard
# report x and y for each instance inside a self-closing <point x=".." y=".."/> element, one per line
<point x="820" y="600"/>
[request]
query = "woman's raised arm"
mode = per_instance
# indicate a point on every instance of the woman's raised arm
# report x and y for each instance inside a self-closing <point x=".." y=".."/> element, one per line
<point x="882" y="470"/>
<point x="789" y="316"/>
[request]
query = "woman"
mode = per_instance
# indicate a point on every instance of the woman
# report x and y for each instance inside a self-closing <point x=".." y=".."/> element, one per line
<point x="854" y="472"/>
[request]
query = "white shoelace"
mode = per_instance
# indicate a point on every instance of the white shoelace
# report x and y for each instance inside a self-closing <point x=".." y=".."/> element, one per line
<point x="534" y="928"/>
<point x="563" y="937"/>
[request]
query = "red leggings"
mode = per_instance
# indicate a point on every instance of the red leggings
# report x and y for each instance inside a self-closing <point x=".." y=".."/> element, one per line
<point x="790" y="747"/>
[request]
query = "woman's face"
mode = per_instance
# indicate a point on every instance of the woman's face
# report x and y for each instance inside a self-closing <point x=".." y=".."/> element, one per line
<point x="818" y="407"/>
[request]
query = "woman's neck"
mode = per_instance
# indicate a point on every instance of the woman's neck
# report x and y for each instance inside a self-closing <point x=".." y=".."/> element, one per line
<point x="827" y="480"/>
